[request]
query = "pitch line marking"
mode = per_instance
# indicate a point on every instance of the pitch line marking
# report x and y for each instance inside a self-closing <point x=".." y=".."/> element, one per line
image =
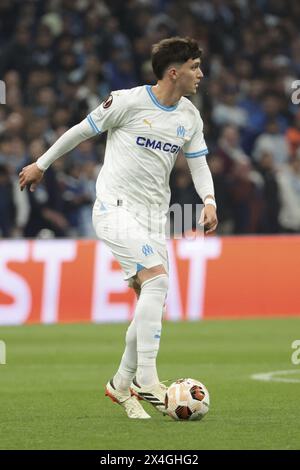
<point x="275" y="376"/>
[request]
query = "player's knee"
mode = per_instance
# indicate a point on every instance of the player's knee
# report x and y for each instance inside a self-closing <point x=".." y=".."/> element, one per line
<point x="149" y="273"/>
<point x="158" y="283"/>
<point x="156" y="270"/>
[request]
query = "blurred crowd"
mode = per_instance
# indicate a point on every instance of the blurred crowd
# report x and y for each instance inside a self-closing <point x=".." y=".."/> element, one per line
<point x="60" y="58"/>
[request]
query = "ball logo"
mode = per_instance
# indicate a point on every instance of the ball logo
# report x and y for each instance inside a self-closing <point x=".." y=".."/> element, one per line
<point x="107" y="103"/>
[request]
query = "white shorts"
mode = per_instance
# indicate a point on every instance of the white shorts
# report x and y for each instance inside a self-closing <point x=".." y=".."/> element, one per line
<point x="127" y="236"/>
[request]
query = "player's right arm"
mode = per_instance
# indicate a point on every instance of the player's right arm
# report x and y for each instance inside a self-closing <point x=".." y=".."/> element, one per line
<point x="33" y="174"/>
<point x="108" y="115"/>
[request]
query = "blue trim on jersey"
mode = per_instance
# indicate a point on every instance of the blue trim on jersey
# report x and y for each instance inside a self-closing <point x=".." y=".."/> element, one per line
<point x="92" y="124"/>
<point x="139" y="267"/>
<point x="157" y="103"/>
<point x="196" y="154"/>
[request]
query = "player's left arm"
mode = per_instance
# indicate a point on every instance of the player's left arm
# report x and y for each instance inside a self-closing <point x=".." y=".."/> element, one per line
<point x="195" y="151"/>
<point x="204" y="186"/>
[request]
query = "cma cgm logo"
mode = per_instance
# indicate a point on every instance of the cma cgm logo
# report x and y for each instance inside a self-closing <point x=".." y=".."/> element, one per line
<point x="157" y="145"/>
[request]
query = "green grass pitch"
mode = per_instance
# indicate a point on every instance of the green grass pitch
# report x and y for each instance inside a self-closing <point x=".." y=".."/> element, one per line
<point x="52" y="387"/>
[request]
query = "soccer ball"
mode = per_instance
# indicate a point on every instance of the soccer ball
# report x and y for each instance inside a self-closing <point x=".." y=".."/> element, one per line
<point x="187" y="399"/>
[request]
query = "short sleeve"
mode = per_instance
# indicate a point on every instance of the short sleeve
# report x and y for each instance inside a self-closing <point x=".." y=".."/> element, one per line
<point x="196" y="146"/>
<point x="109" y="114"/>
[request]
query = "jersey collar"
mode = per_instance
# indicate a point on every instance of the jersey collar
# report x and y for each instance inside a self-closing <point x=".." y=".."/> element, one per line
<point x="157" y="103"/>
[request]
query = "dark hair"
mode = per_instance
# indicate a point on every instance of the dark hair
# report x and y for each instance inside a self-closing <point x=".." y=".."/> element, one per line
<point x="173" y="50"/>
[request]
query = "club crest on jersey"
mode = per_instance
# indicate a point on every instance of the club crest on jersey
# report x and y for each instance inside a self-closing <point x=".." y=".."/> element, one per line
<point x="180" y="131"/>
<point x="147" y="250"/>
<point x="107" y="103"/>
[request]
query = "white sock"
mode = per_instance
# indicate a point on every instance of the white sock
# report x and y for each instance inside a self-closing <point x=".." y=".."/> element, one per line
<point x="128" y="364"/>
<point x="147" y="373"/>
<point x="148" y="317"/>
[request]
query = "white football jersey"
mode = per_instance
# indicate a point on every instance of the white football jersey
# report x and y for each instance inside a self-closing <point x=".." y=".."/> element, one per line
<point x="144" y="139"/>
